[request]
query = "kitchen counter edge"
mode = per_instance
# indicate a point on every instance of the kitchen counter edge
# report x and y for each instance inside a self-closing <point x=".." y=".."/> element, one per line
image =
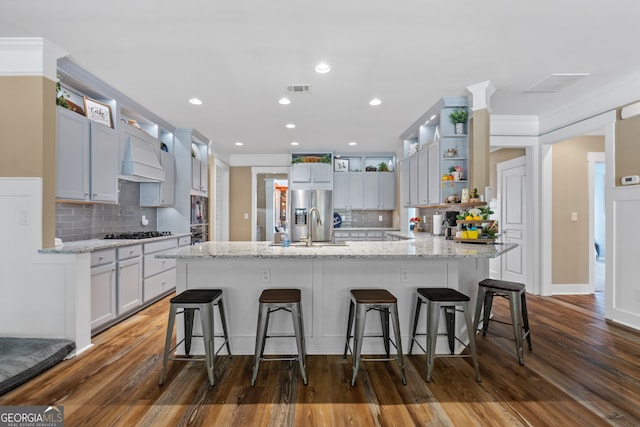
<point x="82" y="246"/>
<point x="426" y="247"/>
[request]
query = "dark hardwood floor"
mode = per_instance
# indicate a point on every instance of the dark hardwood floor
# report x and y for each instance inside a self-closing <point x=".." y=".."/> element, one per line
<point x="583" y="371"/>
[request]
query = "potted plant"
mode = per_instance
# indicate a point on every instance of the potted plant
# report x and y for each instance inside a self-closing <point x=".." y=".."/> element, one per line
<point x="473" y="196"/>
<point x="459" y="117"/>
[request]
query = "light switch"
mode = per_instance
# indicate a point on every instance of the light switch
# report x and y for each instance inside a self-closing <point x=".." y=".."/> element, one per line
<point x="574" y="216"/>
<point x="23" y="217"/>
<point x="379" y="217"/>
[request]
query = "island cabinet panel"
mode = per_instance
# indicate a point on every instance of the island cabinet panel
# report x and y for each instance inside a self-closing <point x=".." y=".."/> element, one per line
<point x="241" y="283"/>
<point x="326" y="286"/>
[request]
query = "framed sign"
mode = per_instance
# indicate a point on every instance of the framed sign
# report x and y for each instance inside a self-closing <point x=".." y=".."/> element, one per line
<point x="98" y="112"/>
<point x="341" y="165"/>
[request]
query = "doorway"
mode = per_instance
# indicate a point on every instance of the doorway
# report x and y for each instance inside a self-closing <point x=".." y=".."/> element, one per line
<point x="597" y="221"/>
<point x="259" y="175"/>
<point x="512" y="196"/>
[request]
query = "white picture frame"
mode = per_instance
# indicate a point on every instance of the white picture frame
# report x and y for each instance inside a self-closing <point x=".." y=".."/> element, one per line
<point x="341" y="165"/>
<point x="98" y="112"/>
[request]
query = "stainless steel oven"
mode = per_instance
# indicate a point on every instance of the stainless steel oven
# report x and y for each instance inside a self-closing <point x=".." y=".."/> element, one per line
<point x="198" y="233"/>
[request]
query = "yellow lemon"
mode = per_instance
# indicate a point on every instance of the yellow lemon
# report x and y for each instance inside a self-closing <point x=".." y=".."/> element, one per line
<point x="477" y="218"/>
<point x="468" y="217"/>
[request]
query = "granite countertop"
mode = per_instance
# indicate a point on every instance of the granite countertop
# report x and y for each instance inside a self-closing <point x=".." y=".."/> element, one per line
<point x="82" y="246"/>
<point x="425" y="247"/>
<point x="366" y="228"/>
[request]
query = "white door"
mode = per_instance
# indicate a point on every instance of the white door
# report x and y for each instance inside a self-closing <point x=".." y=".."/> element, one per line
<point x="513" y="215"/>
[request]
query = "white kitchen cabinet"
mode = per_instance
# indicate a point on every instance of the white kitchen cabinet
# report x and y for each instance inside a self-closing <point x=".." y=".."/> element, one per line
<point x="199" y="176"/>
<point x="348" y="190"/>
<point x="403" y="167"/>
<point x="379" y="190"/>
<point x="434" y="179"/>
<point x="103" y="288"/>
<point x="87" y="159"/>
<point x="317" y="176"/>
<point x="199" y="168"/>
<point x="423" y="177"/>
<point x="129" y="278"/>
<point x="160" y="193"/>
<point x="414" y="184"/>
<point x="159" y="273"/>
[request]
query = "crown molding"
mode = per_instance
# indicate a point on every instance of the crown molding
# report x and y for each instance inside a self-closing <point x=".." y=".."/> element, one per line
<point x="29" y="56"/>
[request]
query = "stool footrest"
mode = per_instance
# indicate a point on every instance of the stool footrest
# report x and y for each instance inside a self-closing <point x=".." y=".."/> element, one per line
<point x="278" y="358"/>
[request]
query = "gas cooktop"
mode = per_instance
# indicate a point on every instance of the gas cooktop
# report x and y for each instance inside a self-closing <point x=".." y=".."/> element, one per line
<point x="135" y="235"/>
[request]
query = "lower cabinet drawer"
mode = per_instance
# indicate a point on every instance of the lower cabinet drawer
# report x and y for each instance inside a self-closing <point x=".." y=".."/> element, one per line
<point x="158" y="284"/>
<point x="153" y="265"/>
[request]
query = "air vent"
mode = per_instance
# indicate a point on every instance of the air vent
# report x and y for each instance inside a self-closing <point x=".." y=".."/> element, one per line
<point x="299" y="88"/>
<point x="556" y="82"/>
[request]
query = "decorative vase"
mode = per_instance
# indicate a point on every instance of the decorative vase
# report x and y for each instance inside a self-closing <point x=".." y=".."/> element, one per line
<point x="459" y="128"/>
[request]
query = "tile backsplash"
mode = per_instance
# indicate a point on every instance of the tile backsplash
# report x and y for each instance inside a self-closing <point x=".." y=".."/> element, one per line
<point x="85" y="221"/>
<point x="365" y="218"/>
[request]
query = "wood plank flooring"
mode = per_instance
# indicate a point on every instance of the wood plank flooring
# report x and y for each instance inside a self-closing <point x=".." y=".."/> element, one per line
<point x="583" y="371"/>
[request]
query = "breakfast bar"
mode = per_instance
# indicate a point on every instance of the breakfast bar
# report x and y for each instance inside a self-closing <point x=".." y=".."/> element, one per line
<point x="326" y="273"/>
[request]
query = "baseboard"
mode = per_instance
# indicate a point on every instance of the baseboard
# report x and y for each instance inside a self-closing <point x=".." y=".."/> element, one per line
<point x="569" y="289"/>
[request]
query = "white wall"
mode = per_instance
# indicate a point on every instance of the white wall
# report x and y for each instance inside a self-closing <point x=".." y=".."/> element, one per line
<point x="41" y="295"/>
<point x="594" y="111"/>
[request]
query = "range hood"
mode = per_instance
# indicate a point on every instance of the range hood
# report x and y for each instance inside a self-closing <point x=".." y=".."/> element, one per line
<point x="141" y="163"/>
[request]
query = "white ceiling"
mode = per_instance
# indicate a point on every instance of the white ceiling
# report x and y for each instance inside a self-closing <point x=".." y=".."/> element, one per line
<point x="239" y="56"/>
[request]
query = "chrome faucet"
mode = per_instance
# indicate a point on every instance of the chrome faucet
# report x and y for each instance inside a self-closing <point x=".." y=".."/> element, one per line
<point x="309" y="240"/>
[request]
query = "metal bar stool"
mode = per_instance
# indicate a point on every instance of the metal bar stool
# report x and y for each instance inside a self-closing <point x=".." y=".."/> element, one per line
<point x="272" y="300"/>
<point x="516" y="294"/>
<point x="381" y="300"/>
<point x="190" y="300"/>
<point x="446" y="299"/>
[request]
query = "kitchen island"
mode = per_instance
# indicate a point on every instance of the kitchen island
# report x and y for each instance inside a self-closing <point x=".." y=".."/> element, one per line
<point x="326" y="274"/>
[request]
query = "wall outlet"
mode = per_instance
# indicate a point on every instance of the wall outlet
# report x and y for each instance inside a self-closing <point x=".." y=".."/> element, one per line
<point x="266" y="275"/>
<point x="574" y="216"/>
<point x="404" y="276"/>
<point x="379" y="217"/>
<point x="246" y="215"/>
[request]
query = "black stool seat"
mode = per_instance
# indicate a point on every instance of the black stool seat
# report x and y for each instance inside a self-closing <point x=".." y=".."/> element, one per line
<point x="502" y="284"/>
<point x="516" y="294"/>
<point x="278" y="296"/>
<point x="442" y="294"/>
<point x="196" y="296"/>
<point x="447" y="300"/>
<point x="382" y="301"/>
<point x="373" y="296"/>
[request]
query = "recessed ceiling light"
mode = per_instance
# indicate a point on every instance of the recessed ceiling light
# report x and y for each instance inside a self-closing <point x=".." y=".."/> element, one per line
<point x="375" y="101"/>
<point x="239" y="143"/>
<point x="195" y="101"/>
<point x="323" y="68"/>
<point x="295" y="143"/>
<point x="284" y="101"/>
<point x="290" y="126"/>
<point x="432" y="117"/>
<point x="353" y="143"/>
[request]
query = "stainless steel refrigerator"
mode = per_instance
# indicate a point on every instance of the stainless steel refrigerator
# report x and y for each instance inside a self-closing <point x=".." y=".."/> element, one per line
<point x="301" y="202"/>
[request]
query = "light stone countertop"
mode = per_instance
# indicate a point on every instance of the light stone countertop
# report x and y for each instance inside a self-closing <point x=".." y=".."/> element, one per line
<point x="423" y="246"/>
<point x="82" y="246"/>
<point x="366" y="228"/>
